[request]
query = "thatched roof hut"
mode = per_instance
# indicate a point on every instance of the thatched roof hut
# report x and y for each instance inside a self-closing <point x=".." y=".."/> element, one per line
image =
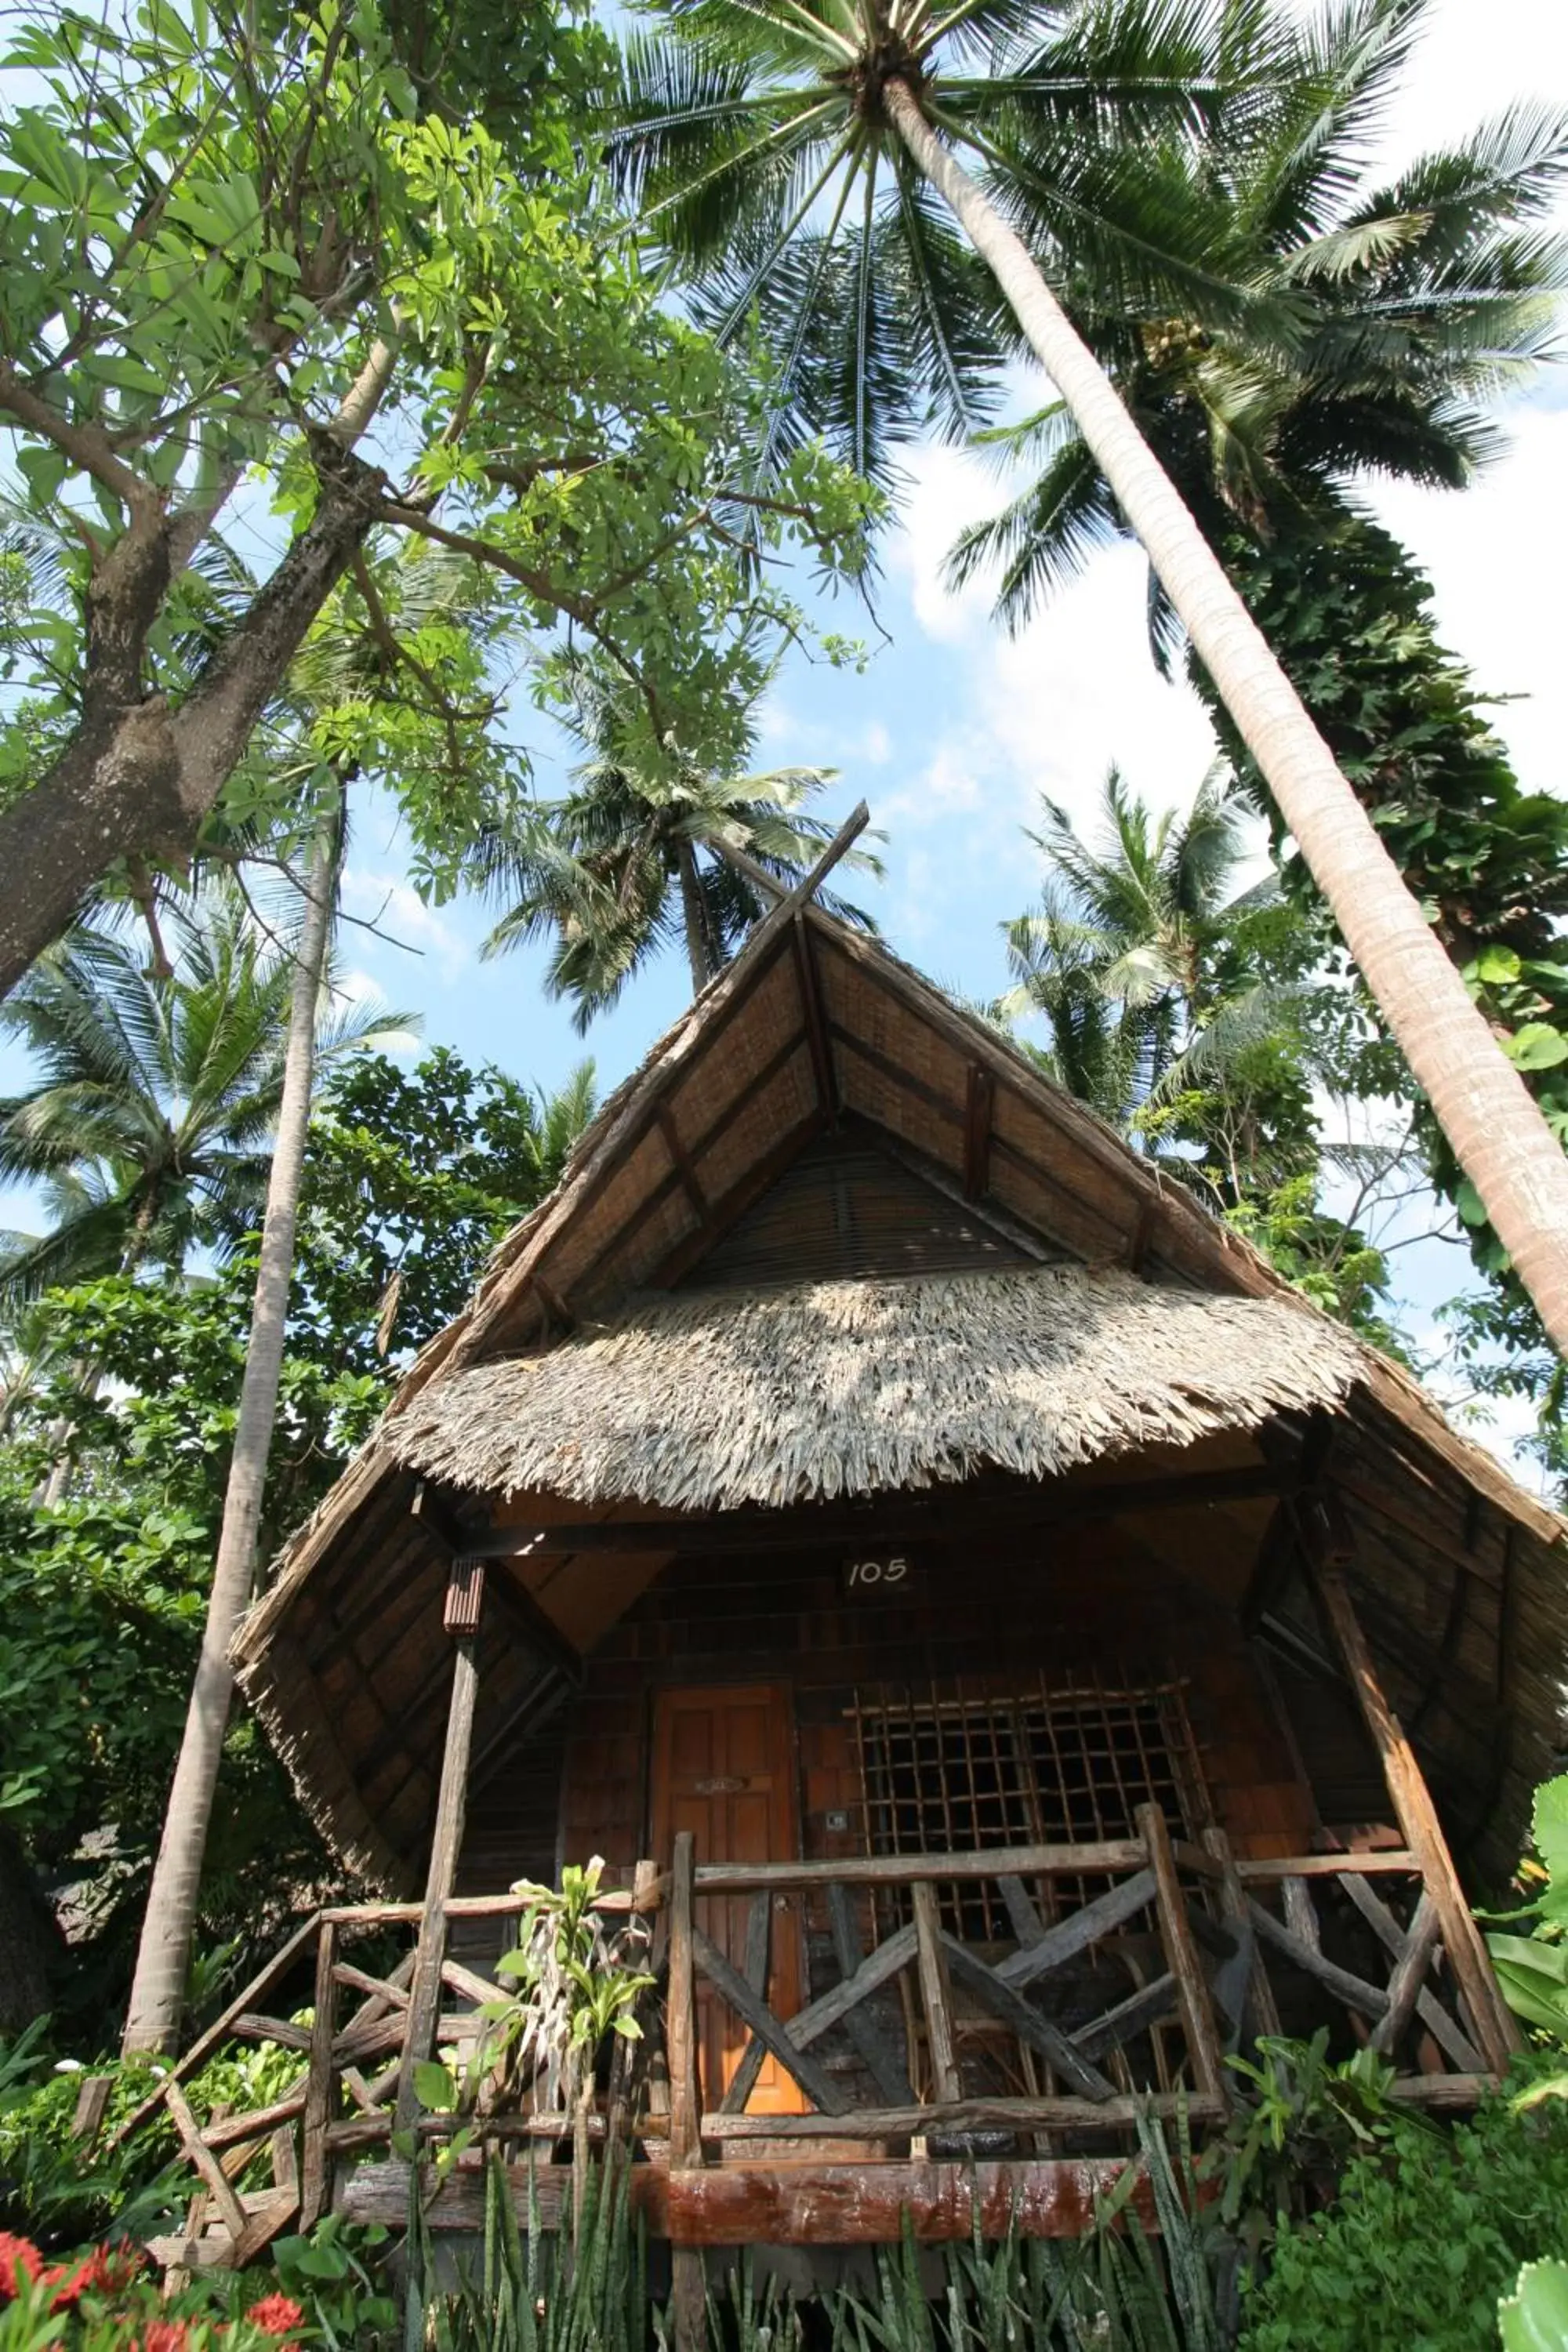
<point x="837" y="1250"/>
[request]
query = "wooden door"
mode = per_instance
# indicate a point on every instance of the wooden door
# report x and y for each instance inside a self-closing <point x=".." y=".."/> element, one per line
<point x="723" y="1768"/>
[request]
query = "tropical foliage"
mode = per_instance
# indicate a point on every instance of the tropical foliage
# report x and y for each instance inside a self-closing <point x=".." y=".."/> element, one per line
<point x="631" y="858"/>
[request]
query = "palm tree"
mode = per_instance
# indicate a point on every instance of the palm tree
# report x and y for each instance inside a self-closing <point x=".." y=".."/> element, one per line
<point x="1415" y="300"/>
<point x="756" y="141"/>
<point x="612" y="872"/>
<point x="150" y="1122"/>
<point x="163" y="1959"/>
<point x="1172" y="999"/>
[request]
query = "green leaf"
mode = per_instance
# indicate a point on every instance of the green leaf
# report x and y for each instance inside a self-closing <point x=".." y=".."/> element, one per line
<point x="1496" y="967"/>
<point x="1534" y="2317"/>
<point x="1536" y="1046"/>
<point x="45" y="469"/>
<point x="435" y="2087"/>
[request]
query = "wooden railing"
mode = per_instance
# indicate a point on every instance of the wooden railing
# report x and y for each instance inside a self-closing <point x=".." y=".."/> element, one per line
<point x="1134" y="1968"/>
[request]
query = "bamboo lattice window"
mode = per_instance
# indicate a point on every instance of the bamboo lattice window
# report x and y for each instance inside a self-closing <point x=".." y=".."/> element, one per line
<point x="1070" y="1766"/>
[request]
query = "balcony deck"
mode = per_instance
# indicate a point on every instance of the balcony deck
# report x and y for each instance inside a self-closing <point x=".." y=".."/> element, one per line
<point x="929" y="2071"/>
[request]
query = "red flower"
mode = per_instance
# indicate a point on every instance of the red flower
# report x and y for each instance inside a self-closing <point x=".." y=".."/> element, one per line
<point x="99" y="2270"/>
<point x="275" y="2315"/>
<point x="17" y="2255"/>
<point x="165" y="2335"/>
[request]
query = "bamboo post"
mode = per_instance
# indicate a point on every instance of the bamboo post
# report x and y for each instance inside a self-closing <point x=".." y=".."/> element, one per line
<point x="1181" y="1952"/>
<point x="315" y="2164"/>
<point x="1492" y="2023"/>
<point x="465" y="1597"/>
<point x="1261" y="2006"/>
<point x="936" y="1998"/>
<point x="689" y="2284"/>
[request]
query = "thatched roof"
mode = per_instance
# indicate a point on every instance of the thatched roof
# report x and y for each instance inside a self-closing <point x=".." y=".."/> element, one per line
<point x="710" y="1401"/>
<point x="1058" y="1303"/>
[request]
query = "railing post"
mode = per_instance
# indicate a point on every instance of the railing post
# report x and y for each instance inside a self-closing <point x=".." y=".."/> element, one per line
<point x="689" y="2284"/>
<point x="936" y="1998"/>
<point x="1492" y="2023"/>
<point x="314" y="2168"/>
<point x="1260" y="2002"/>
<point x="465" y="1596"/>
<point x="1181" y="1952"/>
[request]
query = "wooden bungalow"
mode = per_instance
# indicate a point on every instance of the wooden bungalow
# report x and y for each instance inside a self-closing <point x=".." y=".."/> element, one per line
<point x="1012" y="1647"/>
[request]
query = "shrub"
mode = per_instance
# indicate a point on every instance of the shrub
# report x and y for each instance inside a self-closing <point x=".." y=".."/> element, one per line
<point x="1425" y="2235"/>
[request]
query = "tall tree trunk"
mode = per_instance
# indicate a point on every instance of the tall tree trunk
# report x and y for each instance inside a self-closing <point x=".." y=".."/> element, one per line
<point x="697" y="955"/>
<point x="163" y="1962"/>
<point x="1497" y="1133"/>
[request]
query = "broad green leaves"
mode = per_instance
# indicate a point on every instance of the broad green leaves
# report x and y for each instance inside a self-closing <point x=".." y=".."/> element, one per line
<point x="227" y="258"/>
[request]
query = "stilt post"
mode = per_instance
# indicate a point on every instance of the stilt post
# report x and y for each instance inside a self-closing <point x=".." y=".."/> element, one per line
<point x="1493" y="2024"/>
<point x="465" y="1596"/>
<point x="689" y="2283"/>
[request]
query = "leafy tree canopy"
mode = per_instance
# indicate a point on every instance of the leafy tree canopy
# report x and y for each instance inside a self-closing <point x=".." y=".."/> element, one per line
<point x="234" y="250"/>
<point x="412" y="1176"/>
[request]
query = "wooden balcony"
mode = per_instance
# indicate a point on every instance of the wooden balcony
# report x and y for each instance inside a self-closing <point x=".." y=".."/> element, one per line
<point x="925" y="2069"/>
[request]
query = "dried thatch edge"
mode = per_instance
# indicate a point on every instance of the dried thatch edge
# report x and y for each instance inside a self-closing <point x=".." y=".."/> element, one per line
<point x="680" y="1470"/>
<point x="320" y="1773"/>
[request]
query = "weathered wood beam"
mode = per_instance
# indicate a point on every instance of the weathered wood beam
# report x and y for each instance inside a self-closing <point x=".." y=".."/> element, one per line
<point x="987" y="1213"/>
<point x="936" y="1997"/>
<point x="887" y="2069"/>
<point x="315" y="2171"/>
<point x="223" y="2026"/>
<point x="759" y="2018"/>
<point x="814" y="1015"/>
<point x="1036" y="2032"/>
<point x="901" y="1518"/>
<point x="800" y="2203"/>
<point x="973" y="2113"/>
<point x="680" y="2009"/>
<point x="1409" y="1973"/>
<point x="731" y="1207"/>
<point x="980" y="1099"/>
<point x="1082" y="1927"/>
<point x="1449" y="2036"/>
<point x="910" y="1869"/>
<point x="1493" y="2024"/>
<point x="1204" y="2047"/>
<point x="1149" y="2005"/>
<point x="685" y="1168"/>
<point x="451" y="1807"/>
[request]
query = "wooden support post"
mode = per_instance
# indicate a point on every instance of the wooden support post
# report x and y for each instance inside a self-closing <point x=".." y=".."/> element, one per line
<point x="935" y="1997"/>
<point x="1492" y="2021"/>
<point x="1409" y="1974"/>
<point x="315" y="2166"/>
<point x="689" y="2283"/>
<point x="1261" y="2007"/>
<point x="465" y="1596"/>
<point x="1182" y="1959"/>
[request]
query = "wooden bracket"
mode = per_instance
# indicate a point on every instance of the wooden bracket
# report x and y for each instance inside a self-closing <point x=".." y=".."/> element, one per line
<point x="465" y="1595"/>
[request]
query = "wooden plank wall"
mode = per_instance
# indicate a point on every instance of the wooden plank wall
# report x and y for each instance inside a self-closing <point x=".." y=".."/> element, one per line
<point x="997" y="1619"/>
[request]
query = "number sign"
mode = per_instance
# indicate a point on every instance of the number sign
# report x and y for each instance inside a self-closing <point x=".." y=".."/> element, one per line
<point x="878" y="1572"/>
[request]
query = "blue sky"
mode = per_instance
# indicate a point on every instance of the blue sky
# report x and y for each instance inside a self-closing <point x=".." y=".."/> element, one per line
<point x="954" y="730"/>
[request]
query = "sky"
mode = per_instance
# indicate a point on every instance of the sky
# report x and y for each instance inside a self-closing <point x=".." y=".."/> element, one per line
<point x="954" y="730"/>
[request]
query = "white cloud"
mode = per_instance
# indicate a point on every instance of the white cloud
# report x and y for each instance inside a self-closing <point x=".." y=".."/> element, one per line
<point x="1050" y="709"/>
<point x="396" y="908"/>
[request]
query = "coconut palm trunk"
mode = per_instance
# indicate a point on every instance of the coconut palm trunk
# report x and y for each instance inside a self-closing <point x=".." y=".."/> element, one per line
<point x="697" y="949"/>
<point x="1498" y="1134"/>
<point x="163" y="1962"/>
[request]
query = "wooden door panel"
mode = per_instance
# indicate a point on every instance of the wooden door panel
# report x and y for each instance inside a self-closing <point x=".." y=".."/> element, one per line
<point x="723" y="1769"/>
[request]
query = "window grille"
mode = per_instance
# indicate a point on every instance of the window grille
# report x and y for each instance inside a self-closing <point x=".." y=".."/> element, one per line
<point x="956" y="1773"/>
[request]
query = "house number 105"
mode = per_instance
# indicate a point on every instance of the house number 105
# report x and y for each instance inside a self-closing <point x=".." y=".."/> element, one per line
<point x="863" y="1572"/>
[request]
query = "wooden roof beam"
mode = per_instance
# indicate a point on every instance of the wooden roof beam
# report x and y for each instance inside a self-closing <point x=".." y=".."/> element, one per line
<point x="814" y="1015"/>
<point x="981" y="1099"/>
<point x="885" y="1519"/>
